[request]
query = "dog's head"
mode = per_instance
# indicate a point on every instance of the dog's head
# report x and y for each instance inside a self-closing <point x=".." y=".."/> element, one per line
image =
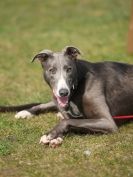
<point x="60" y="72"/>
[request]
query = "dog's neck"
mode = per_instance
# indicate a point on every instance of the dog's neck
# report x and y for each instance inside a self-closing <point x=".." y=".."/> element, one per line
<point x="83" y="67"/>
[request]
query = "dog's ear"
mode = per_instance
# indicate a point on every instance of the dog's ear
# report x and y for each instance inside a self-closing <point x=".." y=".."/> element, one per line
<point x="43" y="55"/>
<point x="71" y="52"/>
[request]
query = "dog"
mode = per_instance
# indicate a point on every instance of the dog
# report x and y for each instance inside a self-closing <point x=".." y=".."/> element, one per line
<point x="87" y="95"/>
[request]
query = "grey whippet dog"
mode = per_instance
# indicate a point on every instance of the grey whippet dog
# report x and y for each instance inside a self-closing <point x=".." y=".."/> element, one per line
<point x="86" y="94"/>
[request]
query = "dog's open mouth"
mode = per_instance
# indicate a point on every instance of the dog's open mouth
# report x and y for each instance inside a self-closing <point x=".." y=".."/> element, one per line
<point x="62" y="101"/>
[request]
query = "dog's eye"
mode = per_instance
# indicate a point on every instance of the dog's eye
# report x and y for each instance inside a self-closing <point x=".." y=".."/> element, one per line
<point x="68" y="70"/>
<point x="52" y="70"/>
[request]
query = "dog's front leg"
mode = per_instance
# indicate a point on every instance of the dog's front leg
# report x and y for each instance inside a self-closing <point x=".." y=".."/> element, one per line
<point x="55" y="136"/>
<point x="35" y="110"/>
<point x="102" y="125"/>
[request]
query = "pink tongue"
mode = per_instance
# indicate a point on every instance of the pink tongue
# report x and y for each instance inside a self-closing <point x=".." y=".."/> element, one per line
<point x="62" y="101"/>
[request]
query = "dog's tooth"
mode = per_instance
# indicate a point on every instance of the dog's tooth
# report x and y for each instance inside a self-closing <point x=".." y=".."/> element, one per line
<point x="73" y="87"/>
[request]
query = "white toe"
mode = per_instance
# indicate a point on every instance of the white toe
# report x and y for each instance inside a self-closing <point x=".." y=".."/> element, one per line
<point x="23" y="114"/>
<point x="44" y="140"/>
<point x="56" y="142"/>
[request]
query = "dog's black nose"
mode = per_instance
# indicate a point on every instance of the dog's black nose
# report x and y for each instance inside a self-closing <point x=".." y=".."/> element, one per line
<point x="63" y="92"/>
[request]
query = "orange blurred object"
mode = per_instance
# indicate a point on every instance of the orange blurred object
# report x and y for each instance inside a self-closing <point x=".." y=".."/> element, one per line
<point x="130" y="34"/>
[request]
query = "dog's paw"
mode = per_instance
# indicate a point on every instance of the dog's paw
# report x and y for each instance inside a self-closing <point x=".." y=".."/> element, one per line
<point x="56" y="142"/>
<point x="52" y="142"/>
<point x="44" y="139"/>
<point x="23" y="115"/>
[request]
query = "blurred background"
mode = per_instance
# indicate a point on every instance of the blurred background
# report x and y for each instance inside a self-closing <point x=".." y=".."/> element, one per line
<point x="99" y="28"/>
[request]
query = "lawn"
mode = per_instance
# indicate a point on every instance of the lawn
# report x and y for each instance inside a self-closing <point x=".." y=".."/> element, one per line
<point x="99" y="28"/>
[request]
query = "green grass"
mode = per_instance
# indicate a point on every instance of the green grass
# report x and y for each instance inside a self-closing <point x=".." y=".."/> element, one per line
<point x="99" y="29"/>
